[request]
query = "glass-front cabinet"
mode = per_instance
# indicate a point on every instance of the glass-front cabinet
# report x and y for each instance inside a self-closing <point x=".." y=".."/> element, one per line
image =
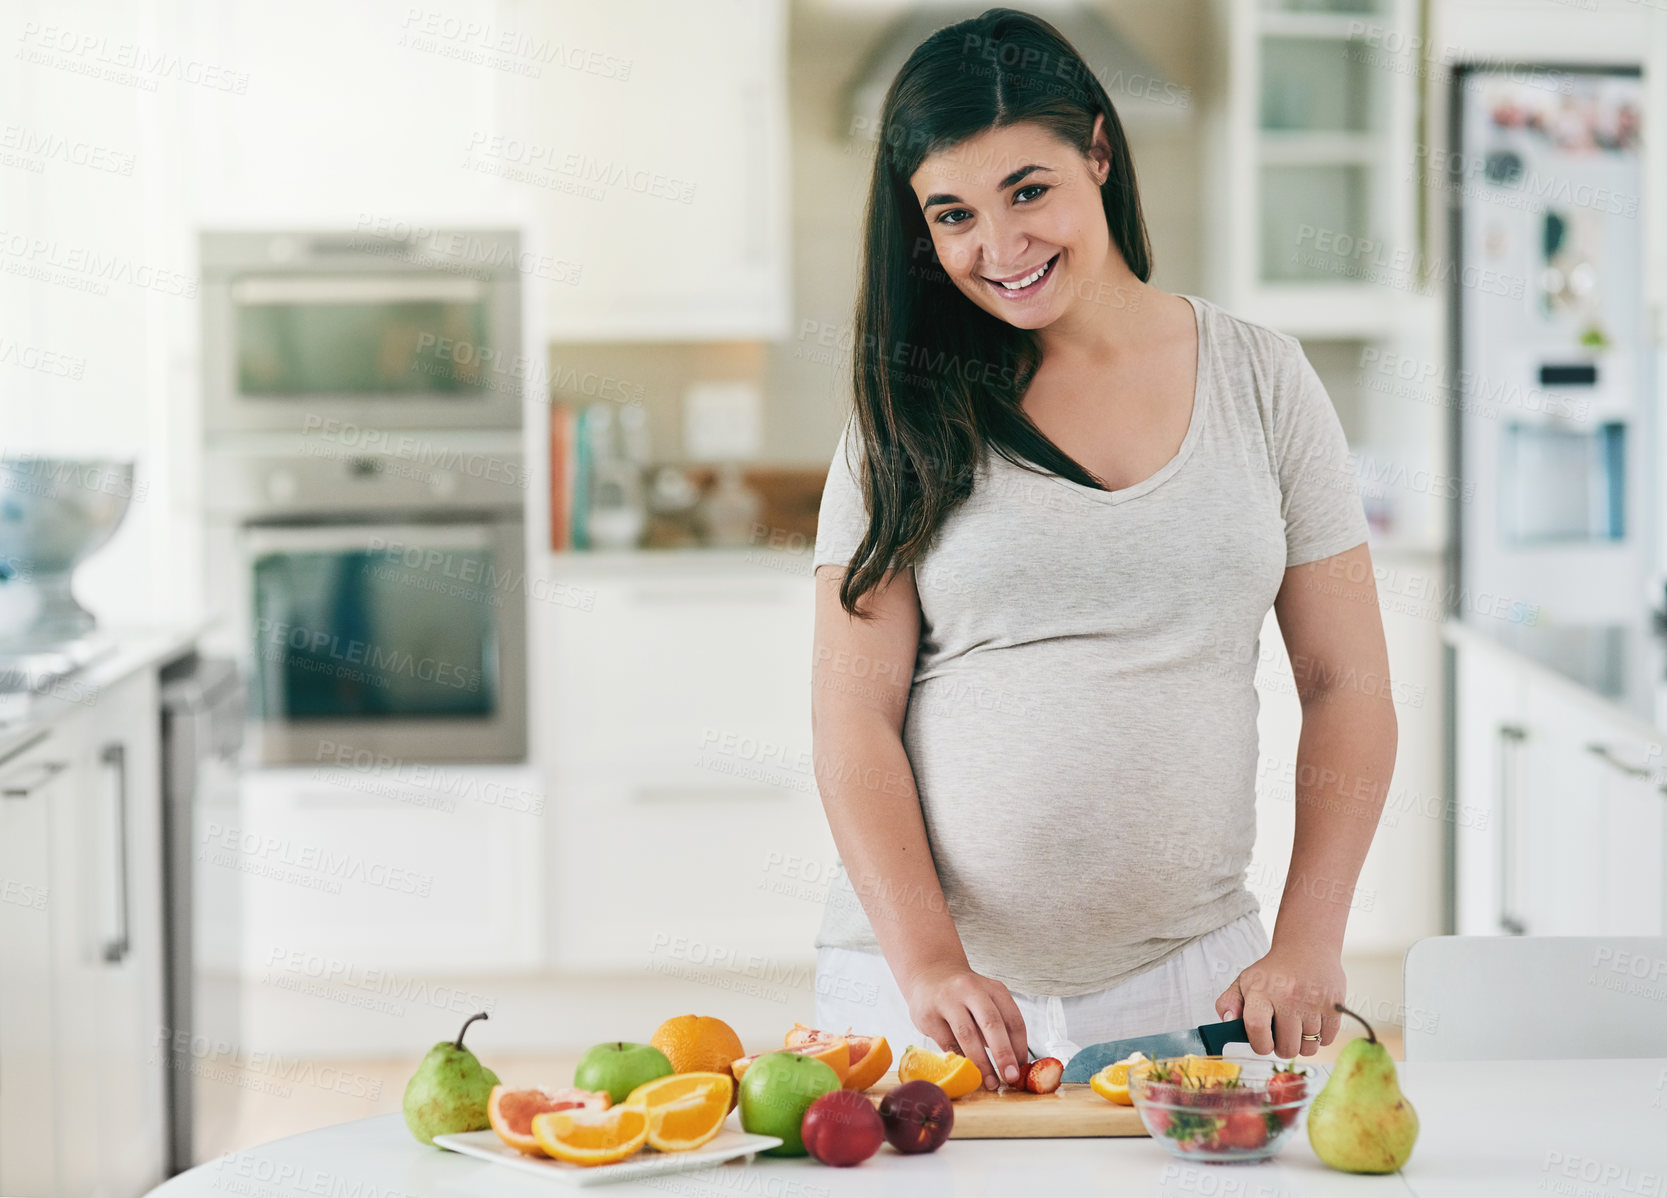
<point x="1313" y="224"/>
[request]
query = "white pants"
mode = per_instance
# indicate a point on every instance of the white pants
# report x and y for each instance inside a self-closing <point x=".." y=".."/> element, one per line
<point x="855" y="991"/>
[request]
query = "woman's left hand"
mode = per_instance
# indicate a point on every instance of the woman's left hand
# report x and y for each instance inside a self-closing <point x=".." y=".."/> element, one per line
<point x="1285" y="995"/>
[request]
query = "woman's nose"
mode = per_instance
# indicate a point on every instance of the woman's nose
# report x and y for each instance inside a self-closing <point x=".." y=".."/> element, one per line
<point x="1002" y="247"/>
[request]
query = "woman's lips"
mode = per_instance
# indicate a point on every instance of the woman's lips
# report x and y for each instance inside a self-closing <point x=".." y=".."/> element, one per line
<point x="1025" y="292"/>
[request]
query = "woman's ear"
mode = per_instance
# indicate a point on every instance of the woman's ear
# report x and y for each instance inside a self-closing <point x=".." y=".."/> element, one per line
<point x="1099" y="149"/>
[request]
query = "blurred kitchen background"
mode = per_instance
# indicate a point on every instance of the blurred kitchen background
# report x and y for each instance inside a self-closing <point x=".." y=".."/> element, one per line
<point x="454" y="384"/>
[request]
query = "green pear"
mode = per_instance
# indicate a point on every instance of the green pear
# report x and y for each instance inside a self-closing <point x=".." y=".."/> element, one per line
<point x="1361" y="1122"/>
<point x="449" y="1090"/>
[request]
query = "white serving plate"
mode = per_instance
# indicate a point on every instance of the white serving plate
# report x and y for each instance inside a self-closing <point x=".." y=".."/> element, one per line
<point x="725" y="1146"/>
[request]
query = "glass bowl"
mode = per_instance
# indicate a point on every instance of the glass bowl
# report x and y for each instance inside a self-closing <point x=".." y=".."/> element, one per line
<point x="1203" y="1117"/>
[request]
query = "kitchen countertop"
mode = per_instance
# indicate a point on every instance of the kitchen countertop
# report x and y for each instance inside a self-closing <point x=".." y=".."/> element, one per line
<point x="136" y="649"/>
<point x="1486" y="1128"/>
<point x="790" y="558"/>
<point x="1621" y="667"/>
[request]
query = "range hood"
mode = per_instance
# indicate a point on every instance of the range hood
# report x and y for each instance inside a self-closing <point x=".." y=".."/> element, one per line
<point x="1142" y="95"/>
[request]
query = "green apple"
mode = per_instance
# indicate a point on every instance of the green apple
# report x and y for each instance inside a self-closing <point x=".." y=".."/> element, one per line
<point x="620" y="1067"/>
<point x="777" y="1090"/>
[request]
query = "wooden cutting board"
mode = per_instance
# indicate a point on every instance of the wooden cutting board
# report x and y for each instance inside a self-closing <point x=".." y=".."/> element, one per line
<point x="1070" y="1111"/>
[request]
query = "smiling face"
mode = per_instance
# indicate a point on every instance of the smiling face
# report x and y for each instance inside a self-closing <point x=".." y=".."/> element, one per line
<point x="1017" y="221"/>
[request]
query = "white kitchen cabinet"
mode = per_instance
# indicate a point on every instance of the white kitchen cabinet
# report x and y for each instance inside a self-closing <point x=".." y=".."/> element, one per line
<point x="82" y="1036"/>
<point x="106" y="866"/>
<point x="666" y="669"/>
<point x="728" y="877"/>
<point x="677" y="744"/>
<point x="1490" y="734"/>
<point x="1571" y="838"/>
<point x="1312" y="143"/>
<point x="663" y="161"/>
<point x="1590" y="847"/>
<point x="32" y="783"/>
<point x="432" y="874"/>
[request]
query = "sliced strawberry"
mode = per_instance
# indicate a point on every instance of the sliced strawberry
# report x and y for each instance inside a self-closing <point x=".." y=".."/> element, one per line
<point x="1043" y="1076"/>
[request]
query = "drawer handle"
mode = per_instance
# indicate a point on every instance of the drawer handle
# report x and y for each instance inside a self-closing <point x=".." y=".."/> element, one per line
<point x="22" y="788"/>
<point x="1603" y="751"/>
<point x="117" y="947"/>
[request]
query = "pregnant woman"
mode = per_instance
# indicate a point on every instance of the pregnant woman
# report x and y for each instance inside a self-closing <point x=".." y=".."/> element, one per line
<point x="1053" y="526"/>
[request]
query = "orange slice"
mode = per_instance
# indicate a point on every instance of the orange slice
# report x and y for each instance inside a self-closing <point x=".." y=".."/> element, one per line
<point x="834" y="1053"/>
<point x="511" y="1111"/>
<point x="950" y="1070"/>
<point x="1112" y="1082"/>
<point x="870" y="1055"/>
<point x="685" y="1109"/>
<point x="583" y="1137"/>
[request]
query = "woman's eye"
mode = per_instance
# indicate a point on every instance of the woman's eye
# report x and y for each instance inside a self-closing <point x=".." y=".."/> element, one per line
<point x="1038" y="188"/>
<point x="943" y="217"/>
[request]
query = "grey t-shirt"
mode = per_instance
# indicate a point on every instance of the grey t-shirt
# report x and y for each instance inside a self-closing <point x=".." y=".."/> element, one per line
<point x="1082" y="720"/>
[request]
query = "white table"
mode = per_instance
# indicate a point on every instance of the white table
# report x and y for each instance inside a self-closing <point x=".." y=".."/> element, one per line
<point x="1584" y="1129"/>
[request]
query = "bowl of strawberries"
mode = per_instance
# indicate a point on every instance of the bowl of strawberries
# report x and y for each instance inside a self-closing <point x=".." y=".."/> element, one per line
<point x="1219" y="1109"/>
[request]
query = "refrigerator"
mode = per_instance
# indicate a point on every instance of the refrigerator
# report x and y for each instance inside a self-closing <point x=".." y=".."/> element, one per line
<point x="1552" y="389"/>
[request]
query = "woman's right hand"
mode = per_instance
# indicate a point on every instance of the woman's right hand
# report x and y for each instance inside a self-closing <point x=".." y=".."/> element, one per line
<point x="966" y="1012"/>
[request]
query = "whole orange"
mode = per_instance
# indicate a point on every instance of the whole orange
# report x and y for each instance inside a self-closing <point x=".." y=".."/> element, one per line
<point x="698" y="1043"/>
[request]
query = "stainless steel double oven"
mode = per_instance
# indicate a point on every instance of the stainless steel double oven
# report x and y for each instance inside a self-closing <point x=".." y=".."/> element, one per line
<point x="365" y="486"/>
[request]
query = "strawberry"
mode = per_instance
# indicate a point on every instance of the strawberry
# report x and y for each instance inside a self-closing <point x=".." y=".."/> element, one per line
<point x="1244" y="1130"/>
<point x="1288" y="1085"/>
<point x="1043" y="1076"/>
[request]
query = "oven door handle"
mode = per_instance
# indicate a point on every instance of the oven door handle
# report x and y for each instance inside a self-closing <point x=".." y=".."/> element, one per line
<point x="391" y="539"/>
<point x="401" y="288"/>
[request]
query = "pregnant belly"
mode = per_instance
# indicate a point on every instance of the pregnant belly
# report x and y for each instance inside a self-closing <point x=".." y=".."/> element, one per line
<point x="1127" y="802"/>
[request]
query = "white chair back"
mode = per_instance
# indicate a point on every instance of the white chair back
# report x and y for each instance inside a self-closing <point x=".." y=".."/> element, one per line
<point x="1482" y="998"/>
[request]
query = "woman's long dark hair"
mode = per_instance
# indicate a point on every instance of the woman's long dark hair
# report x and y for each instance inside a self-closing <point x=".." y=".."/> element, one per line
<point x="937" y="380"/>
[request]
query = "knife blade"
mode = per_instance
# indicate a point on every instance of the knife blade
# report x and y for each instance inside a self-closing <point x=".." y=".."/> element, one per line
<point x="1205" y="1040"/>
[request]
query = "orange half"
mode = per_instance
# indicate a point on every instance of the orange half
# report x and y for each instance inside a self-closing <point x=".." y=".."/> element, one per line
<point x="583" y="1137"/>
<point x="951" y="1071"/>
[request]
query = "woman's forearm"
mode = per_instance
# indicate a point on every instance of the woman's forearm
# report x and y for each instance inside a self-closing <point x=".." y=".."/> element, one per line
<point x="873" y="810"/>
<point x="1345" y="757"/>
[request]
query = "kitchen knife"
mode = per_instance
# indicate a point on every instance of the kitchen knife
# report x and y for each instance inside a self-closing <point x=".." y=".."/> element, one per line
<point x="1205" y="1041"/>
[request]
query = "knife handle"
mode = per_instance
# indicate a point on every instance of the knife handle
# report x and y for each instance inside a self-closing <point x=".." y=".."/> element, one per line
<point x="1216" y="1036"/>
